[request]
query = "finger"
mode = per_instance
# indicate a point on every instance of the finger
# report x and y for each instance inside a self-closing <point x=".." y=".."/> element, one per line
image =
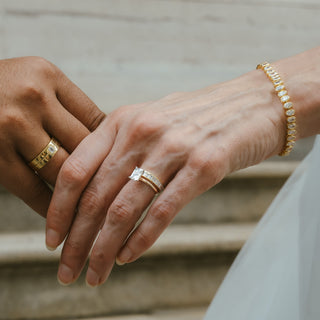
<point x="62" y="125"/>
<point x="78" y="103"/>
<point x="92" y="209"/>
<point x="20" y="180"/>
<point x="121" y="218"/>
<point x="175" y="196"/>
<point x="106" y="186"/>
<point x="73" y="177"/>
<point x="31" y="143"/>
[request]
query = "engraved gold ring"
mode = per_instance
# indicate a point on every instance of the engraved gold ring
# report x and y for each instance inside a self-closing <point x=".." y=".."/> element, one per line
<point x="45" y="155"/>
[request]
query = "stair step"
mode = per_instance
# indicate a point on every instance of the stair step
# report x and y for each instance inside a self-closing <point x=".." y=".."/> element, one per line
<point x="243" y="196"/>
<point x="185" y="314"/>
<point x="29" y="247"/>
<point x="182" y="270"/>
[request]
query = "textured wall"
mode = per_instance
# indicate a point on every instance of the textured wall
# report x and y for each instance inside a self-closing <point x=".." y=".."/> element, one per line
<point x="126" y="51"/>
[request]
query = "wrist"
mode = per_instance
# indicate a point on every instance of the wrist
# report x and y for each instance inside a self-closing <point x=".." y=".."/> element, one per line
<point x="301" y="75"/>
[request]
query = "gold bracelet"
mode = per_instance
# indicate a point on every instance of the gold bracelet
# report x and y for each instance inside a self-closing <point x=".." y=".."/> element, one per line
<point x="287" y="105"/>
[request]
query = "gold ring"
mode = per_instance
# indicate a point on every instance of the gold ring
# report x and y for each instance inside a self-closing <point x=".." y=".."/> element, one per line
<point x="45" y="155"/>
<point x="148" y="178"/>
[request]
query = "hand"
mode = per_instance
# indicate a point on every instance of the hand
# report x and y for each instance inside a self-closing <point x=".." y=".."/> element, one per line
<point x="189" y="140"/>
<point x="37" y="102"/>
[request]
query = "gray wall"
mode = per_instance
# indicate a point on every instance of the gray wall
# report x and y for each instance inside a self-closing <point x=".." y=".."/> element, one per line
<point x="127" y="51"/>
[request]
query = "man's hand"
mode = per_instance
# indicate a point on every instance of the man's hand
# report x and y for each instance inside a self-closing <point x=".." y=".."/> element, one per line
<point x="37" y="102"/>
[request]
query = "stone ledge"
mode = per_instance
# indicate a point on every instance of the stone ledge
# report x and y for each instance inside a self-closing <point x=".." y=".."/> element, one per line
<point x="29" y="247"/>
<point x="267" y="169"/>
<point x="185" y="314"/>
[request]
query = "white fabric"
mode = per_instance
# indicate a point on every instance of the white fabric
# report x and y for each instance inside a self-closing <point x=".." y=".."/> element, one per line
<point x="277" y="273"/>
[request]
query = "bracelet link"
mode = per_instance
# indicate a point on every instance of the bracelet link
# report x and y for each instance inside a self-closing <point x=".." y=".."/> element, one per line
<point x="284" y="97"/>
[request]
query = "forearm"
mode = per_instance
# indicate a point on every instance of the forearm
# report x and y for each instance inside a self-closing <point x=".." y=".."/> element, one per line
<point x="301" y="75"/>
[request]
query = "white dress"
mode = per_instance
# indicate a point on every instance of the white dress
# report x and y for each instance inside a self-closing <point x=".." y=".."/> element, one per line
<point x="277" y="273"/>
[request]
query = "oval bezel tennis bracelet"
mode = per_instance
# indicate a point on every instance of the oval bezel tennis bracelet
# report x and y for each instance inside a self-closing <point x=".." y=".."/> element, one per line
<point x="287" y="105"/>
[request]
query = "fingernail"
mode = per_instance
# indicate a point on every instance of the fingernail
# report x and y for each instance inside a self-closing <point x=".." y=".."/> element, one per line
<point x="50" y="248"/>
<point x="124" y="256"/>
<point x="52" y="239"/>
<point x="92" y="279"/>
<point x="119" y="263"/>
<point x="65" y="275"/>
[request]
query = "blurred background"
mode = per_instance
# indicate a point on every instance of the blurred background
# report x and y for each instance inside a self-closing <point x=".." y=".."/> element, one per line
<point x="127" y="51"/>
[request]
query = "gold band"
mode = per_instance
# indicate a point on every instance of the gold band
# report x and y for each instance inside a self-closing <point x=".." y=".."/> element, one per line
<point x="148" y="178"/>
<point x="286" y="103"/>
<point x="45" y="155"/>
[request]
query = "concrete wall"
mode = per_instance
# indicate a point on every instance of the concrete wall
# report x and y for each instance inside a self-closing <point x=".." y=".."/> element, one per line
<point x="127" y="51"/>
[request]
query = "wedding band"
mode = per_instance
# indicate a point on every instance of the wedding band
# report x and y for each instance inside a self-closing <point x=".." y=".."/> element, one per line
<point x="148" y="178"/>
<point x="45" y="155"/>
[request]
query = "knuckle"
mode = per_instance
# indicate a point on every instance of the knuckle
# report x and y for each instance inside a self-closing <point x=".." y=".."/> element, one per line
<point x="208" y="169"/>
<point x="162" y="211"/>
<point x="14" y="120"/>
<point x="73" y="172"/>
<point x="120" y="213"/>
<point x="175" y="144"/>
<point x="146" y="126"/>
<point x="202" y="164"/>
<point x="95" y="117"/>
<point x="31" y="91"/>
<point x="98" y="257"/>
<point x="142" y="240"/>
<point x="90" y="204"/>
<point x="73" y="245"/>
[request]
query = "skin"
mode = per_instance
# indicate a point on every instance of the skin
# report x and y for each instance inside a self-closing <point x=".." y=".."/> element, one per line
<point x="37" y="102"/>
<point x="190" y="141"/>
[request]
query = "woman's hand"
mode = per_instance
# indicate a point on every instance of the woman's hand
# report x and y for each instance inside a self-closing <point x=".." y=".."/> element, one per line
<point x="190" y="141"/>
<point x="37" y="102"/>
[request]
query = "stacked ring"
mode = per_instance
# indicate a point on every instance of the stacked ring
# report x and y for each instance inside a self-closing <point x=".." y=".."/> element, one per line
<point x="148" y="178"/>
<point x="45" y="155"/>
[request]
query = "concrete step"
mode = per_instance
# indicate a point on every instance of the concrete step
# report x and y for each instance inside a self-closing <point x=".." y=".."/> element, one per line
<point x="182" y="270"/>
<point x="242" y="196"/>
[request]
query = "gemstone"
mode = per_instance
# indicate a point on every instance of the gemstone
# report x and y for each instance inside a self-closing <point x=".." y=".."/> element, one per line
<point x="278" y="82"/>
<point x="290" y="112"/>
<point x="291" y="138"/>
<point x="292" y="132"/>
<point x="282" y="93"/>
<point x="136" y="174"/>
<point x="287" y="105"/>
<point x="290" y="143"/>
<point x="285" y="98"/>
<point x="279" y="88"/>
<point x="291" y="119"/>
<point x="267" y="67"/>
<point x="291" y="125"/>
<point x="51" y="149"/>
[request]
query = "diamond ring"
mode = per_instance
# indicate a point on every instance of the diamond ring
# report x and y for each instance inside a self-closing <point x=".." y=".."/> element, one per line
<point x="148" y="178"/>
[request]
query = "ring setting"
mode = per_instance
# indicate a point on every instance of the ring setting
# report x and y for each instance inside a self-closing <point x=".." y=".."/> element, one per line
<point x="45" y="155"/>
<point x="148" y="178"/>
